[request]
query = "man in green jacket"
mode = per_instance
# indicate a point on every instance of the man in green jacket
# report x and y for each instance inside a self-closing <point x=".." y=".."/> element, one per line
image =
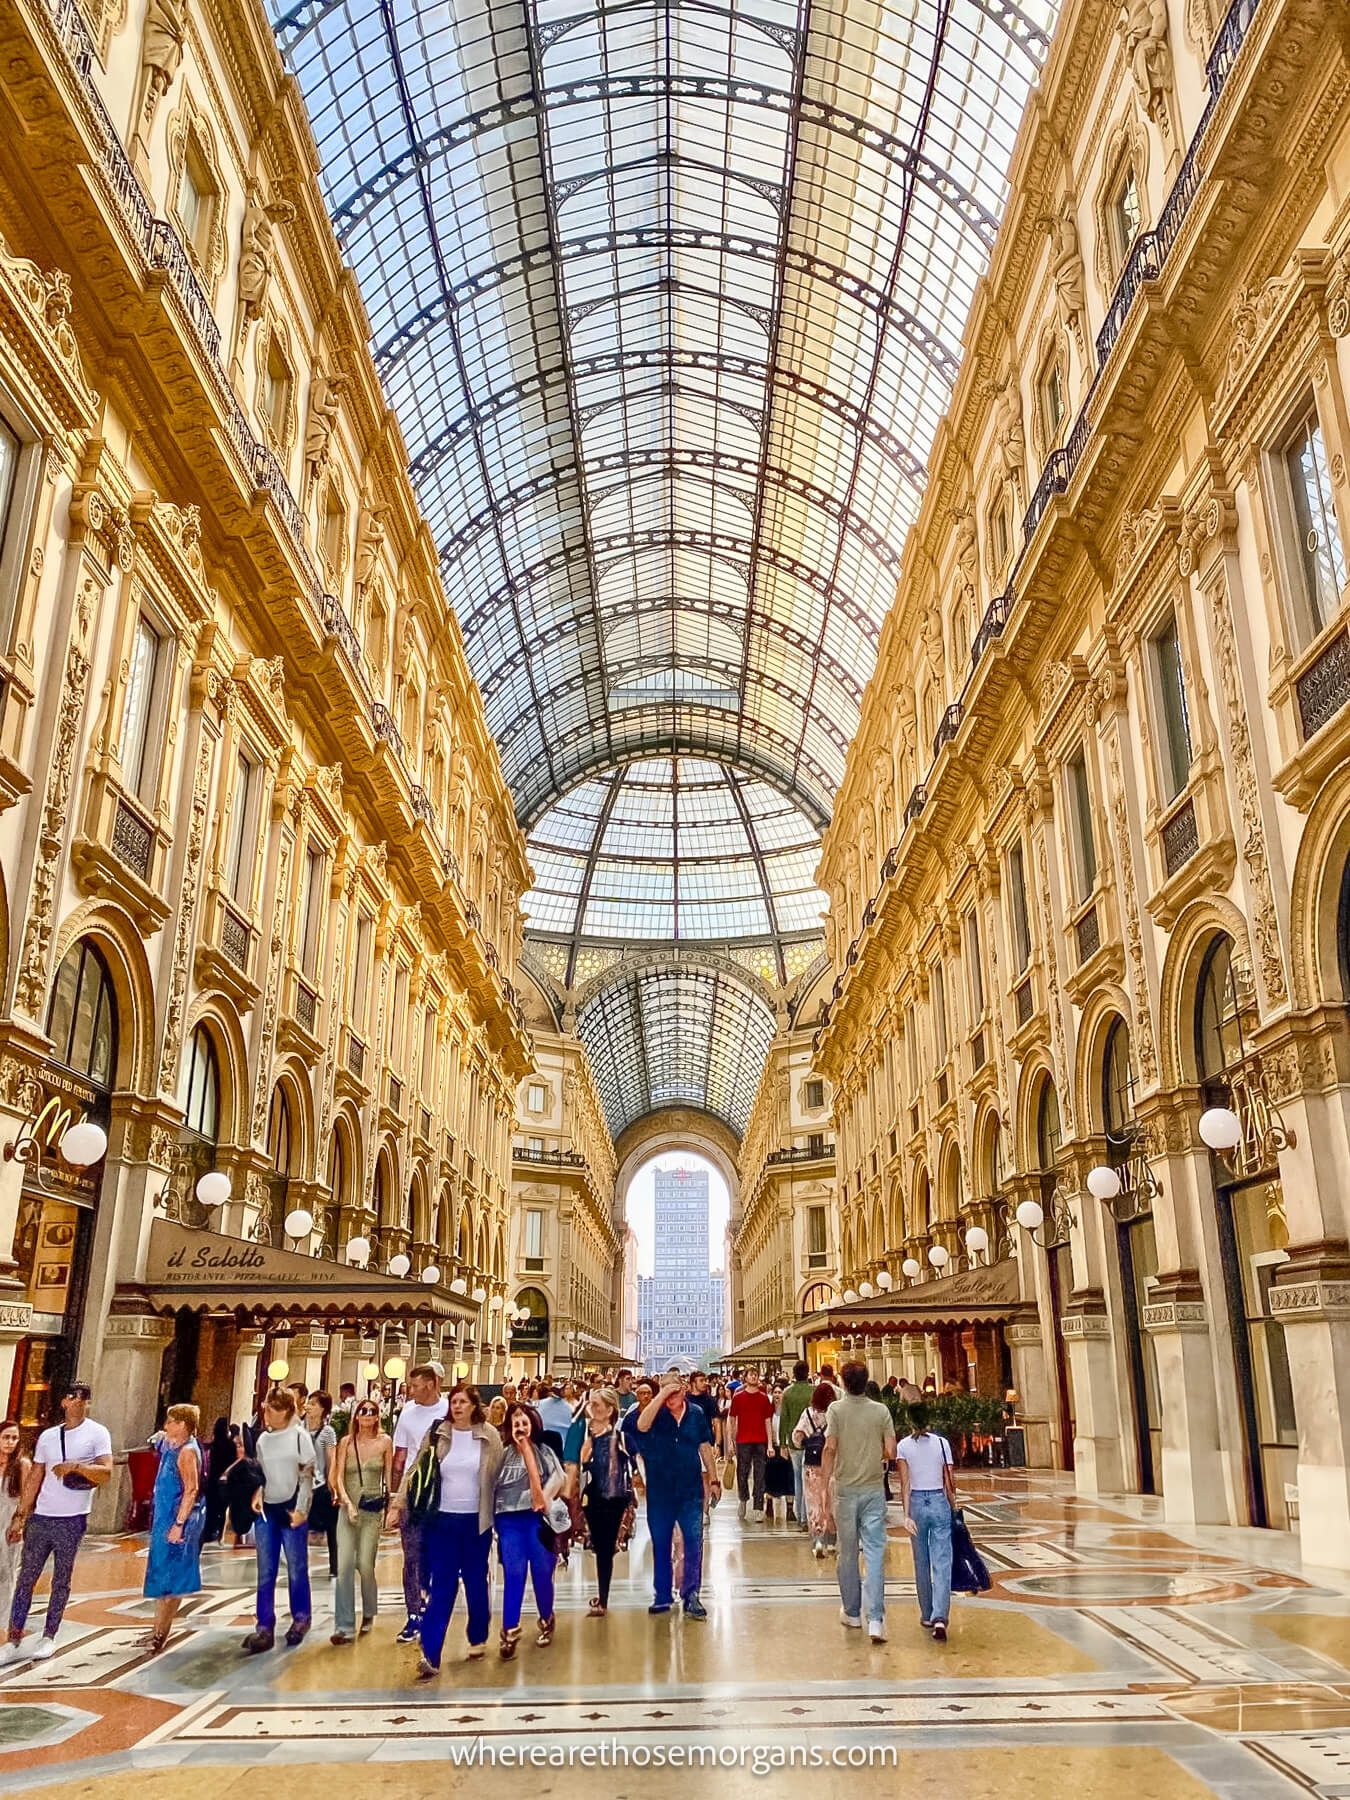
<point x="796" y="1399"/>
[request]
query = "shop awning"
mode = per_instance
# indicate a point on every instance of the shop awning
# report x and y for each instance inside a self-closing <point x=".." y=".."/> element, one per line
<point x="207" y="1272"/>
<point x="974" y="1297"/>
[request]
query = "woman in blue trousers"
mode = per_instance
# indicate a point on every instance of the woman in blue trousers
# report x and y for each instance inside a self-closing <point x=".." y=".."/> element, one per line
<point x="529" y="1477"/>
<point x="928" y="1494"/>
<point x="458" y="1535"/>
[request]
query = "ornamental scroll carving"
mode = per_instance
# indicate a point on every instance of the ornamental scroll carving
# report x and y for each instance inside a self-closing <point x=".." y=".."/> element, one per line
<point x="272" y="996"/>
<point x="46" y="299"/>
<point x="1062" y="1083"/>
<point x="31" y="988"/>
<point x="1265" y="926"/>
<point x="1141" y="1032"/>
<point x="187" y="913"/>
<point x="334" y="1020"/>
<point x="1253" y="311"/>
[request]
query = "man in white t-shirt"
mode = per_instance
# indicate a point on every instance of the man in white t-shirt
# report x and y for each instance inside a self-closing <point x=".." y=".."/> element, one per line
<point x="52" y="1515"/>
<point x="425" y="1407"/>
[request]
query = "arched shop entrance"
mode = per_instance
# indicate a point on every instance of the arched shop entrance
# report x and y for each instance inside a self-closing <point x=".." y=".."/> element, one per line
<point x="59" y="1205"/>
<point x="529" y="1336"/>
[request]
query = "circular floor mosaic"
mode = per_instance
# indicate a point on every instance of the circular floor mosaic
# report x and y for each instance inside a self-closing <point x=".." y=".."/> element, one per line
<point x="1116" y="1587"/>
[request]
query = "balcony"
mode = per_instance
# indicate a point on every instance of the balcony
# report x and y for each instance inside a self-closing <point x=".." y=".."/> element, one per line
<point x="801" y="1153"/>
<point x="122" y="853"/>
<point x="556" y="1159"/>
<point x="1324" y="686"/>
<point x="1179" y="837"/>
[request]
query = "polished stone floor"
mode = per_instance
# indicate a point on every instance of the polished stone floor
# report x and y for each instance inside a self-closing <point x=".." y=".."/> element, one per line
<point x="1116" y="1656"/>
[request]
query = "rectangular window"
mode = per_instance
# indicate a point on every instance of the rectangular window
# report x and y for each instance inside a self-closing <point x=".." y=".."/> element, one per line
<point x="974" y="970"/>
<point x="817" y="1232"/>
<point x="1000" y="534"/>
<point x="397" y="1017"/>
<point x="192" y="204"/>
<point x="912" y="1049"/>
<point x="428" y="1050"/>
<point x="1174" y="749"/>
<point x="538" y="1097"/>
<point x="536" y="1143"/>
<point x="1052" y="401"/>
<point x="1126" y="213"/>
<point x="1083" y="843"/>
<point x="312" y="908"/>
<point x="239" y="843"/>
<point x="1019" y="920"/>
<point x="1319" y="554"/>
<point x="938" y="989"/>
<point x="534" y="1232"/>
<point x="361" y="973"/>
<point x="139" y="762"/>
<point x="815" y="1095"/>
<point x="276" y="391"/>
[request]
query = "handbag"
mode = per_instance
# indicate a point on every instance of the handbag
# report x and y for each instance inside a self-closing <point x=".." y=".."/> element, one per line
<point x="424" y="1482"/>
<point x="368" y="1503"/>
<point x="813" y="1448"/>
<point x="80" y="1483"/>
<point x="970" y="1574"/>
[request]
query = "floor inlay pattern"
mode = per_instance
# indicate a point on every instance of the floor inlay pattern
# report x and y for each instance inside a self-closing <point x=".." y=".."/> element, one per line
<point x="1202" y="1662"/>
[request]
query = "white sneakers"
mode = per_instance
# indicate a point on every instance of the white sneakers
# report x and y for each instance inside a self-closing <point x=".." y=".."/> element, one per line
<point x="17" y="1653"/>
<point x="740" y="1509"/>
<point x="756" y="1516"/>
<point x="44" y="1648"/>
<point x="876" y="1630"/>
<point x="850" y="1619"/>
<point x="11" y="1654"/>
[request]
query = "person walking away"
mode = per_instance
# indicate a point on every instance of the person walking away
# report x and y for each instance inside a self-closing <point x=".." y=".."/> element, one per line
<point x="607" y="1488"/>
<point x="928" y="1495"/>
<point x="677" y="1454"/>
<point x="362" y="1466"/>
<point x="224" y="1451"/>
<point x="809" y="1435"/>
<point x="69" y="1462"/>
<point x="751" y="1411"/>
<point x="796" y="1399"/>
<point x="173" y="1567"/>
<point x="285" y="1455"/>
<point x="466" y="1452"/>
<point x="556" y="1414"/>
<point x="323" y="1508"/>
<point x="528" y="1477"/>
<point x="859" y="1443"/>
<point x="426" y="1406"/>
<point x="14" y="1469"/>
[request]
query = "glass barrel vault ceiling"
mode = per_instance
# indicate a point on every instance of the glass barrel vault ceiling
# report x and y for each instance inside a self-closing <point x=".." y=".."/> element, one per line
<point x="668" y="296"/>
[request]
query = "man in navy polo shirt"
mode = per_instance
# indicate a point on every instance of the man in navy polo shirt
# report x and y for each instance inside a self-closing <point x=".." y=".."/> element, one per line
<point x="677" y="1453"/>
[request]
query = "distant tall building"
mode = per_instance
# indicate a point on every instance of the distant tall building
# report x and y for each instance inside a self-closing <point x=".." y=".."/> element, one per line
<point x="680" y="1305"/>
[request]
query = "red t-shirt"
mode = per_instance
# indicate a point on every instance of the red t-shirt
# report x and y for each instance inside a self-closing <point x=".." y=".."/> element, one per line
<point x="751" y="1413"/>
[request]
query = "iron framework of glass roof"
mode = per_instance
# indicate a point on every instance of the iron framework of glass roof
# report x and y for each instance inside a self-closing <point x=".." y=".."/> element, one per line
<point x="668" y="296"/>
<point x="676" y="849"/>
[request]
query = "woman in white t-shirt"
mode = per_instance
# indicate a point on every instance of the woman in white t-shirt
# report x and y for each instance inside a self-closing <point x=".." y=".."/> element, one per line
<point x="928" y="1495"/>
<point x="458" y="1535"/>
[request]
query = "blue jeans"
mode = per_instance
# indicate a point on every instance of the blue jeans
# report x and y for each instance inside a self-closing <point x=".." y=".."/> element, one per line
<point x="522" y="1552"/>
<point x="931" y="1512"/>
<point x="860" y="1516"/>
<point x="275" y="1537"/>
<point x="798" y="1488"/>
<point x="664" y="1513"/>
<point x="455" y="1550"/>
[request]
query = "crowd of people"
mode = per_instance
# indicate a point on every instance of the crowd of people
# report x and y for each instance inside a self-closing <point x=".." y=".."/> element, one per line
<point x="542" y="1469"/>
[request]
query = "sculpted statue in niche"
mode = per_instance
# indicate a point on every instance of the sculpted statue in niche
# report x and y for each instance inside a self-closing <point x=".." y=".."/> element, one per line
<point x="325" y="402"/>
<point x="1010" y="437"/>
<point x="161" y="55"/>
<point x="370" y="536"/>
<point x="1144" y="33"/>
<point x="257" y="250"/>
<point x="967" y="552"/>
<point x="1067" y="268"/>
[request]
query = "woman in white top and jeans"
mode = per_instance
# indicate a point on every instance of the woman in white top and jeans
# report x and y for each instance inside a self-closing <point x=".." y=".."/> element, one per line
<point x="928" y="1495"/>
<point x="459" y="1535"/>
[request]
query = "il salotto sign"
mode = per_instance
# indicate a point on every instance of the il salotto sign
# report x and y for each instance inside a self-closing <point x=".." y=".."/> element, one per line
<point x="195" y="1260"/>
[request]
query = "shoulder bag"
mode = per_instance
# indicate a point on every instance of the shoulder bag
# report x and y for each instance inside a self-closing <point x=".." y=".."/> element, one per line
<point x="77" y="1481"/>
<point x="424" y="1483"/>
<point x="369" y="1503"/>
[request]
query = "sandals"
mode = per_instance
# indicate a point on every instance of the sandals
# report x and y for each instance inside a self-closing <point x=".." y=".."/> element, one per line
<point x="546" y="1629"/>
<point x="597" y="1608"/>
<point x="509" y="1642"/>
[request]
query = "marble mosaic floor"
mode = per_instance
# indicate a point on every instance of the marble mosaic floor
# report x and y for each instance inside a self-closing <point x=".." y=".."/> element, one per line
<point x="1116" y="1654"/>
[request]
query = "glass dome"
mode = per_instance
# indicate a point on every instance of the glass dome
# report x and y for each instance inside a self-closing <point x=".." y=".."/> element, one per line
<point x="674" y="849"/>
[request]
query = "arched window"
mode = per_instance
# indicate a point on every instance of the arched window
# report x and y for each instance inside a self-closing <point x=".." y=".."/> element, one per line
<point x="380" y="1196"/>
<point x="993" y="1161"/>
<point x="201" y="1101"/>
<point x="279" y="1131"/>
<point x="1117" y="1084"/>
<point x="337" y="1171"/>
<point x="819" y="1297"/>
<point x="1218" y="1028"/>
<point x="1343" y="931"/>
<point x="82" y="1017"/>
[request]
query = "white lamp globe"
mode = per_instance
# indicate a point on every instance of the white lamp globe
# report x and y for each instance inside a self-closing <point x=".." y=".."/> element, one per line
<point x="278" y="1369"/>
<point x="396" y="1368"/>
<point x="938" y="1256"/>
<point x="1220" y="1129"/>
<point x="479" y="1295"/>
<point x="866" y="1290"/>
<point x="399" y="1265"/>
<point x="358" y="1249"/>
<point x="461" y="1370"/>
<point x="909" y="1268"/>
<point x="850" y="1295"/>
<point x="885" y="1280"/>
<point x="84" y="1144"/>
<point x="299" y="1223"/>
<point x="1031" y="1215"/>
<point x="459" y="1285"/>
<point x="977" y="1240"/>
<point x="431" y="1274"/>
<point x="1103" y="1182"/>
<point x="214" y="1188"/>
<point x="370" y="1370"/>
<point x="495" y="1303"/>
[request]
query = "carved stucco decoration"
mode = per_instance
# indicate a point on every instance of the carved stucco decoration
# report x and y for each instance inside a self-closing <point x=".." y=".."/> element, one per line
<point x="31" y="988"/>
<point x="263" y="1088"/>
<point x="1141" y="1026"/>
<point x="44" y="298"/>
<point x="1252" y="314"/>
<point x="1064" y="1087"/>
<point x="187" y="912"/>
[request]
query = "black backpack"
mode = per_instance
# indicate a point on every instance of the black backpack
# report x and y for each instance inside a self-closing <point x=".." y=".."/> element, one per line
<point x="813" y="1448"/>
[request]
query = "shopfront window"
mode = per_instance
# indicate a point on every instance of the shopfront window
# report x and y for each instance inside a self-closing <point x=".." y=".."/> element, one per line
<point x="82" y="1019"/>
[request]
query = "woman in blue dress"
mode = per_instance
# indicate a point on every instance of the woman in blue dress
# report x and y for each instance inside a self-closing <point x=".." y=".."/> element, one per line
<point x="176" y="1521"/>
